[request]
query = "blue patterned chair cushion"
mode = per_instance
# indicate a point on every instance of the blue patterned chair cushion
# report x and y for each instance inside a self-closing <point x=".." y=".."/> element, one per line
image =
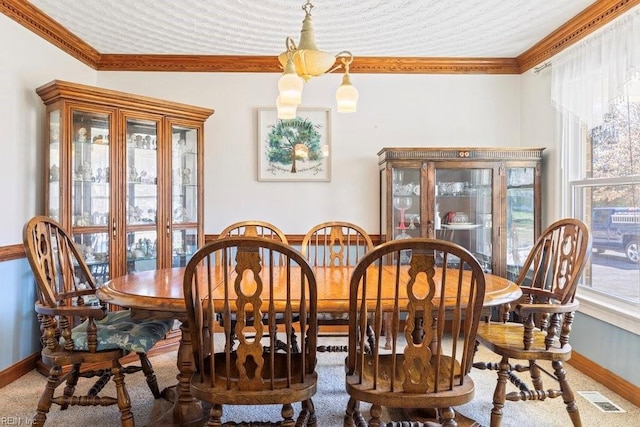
<point x="118" y="330"/>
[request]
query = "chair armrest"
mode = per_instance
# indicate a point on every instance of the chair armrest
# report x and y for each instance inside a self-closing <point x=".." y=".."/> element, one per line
<point x="526" y="309"/>
<point x="96" y="313"/>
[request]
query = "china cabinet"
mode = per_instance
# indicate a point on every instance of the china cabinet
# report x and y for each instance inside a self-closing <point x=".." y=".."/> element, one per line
<point x="125" y="176"/>
<point x="486" y="199"/>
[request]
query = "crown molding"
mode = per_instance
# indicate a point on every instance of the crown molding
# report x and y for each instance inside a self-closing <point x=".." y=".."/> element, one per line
<point x="35" y="20"/>
<point x="190" y="63"/>
<point x="586" y="22"/>
<point x="270" y="64"/>
<point x="422" y="65"/>
<point x="595" y="16"/>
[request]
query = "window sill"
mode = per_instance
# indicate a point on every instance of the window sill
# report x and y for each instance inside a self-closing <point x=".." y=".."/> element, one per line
<point x="615" y="312"/>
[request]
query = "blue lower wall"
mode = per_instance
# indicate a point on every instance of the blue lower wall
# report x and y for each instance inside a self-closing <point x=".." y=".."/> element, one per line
<point x="611" y="347"/>
<point x="20" y="331"/>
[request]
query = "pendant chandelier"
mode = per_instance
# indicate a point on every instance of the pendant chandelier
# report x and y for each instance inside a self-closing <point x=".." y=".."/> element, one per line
<point x="304" y="61"/>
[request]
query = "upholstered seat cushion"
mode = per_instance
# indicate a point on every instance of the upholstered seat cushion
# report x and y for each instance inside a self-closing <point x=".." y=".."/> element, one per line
<point x="119" y="330"/>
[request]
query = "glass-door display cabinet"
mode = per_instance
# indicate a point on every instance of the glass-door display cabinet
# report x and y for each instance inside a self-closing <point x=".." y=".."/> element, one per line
<point x="485" y="199"/>
<point x="124" y="176"/>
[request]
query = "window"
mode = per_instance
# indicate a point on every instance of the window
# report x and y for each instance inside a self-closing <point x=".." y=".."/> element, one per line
<point x="606" y="195"/>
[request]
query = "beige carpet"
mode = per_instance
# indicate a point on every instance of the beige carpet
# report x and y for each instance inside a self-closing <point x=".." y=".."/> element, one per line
<point x="19" y="399"/>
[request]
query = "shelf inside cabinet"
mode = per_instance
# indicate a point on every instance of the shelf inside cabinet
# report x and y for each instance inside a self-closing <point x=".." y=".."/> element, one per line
<point x="469" y="226"/>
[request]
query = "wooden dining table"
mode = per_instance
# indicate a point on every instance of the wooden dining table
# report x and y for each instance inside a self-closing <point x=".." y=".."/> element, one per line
<point x="159" y="294"/>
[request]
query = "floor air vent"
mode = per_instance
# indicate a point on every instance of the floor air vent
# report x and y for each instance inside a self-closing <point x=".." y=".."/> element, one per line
<point x="601" y="402"/>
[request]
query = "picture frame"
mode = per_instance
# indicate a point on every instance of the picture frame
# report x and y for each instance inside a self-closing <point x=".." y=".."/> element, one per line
<point x="296" y="149"/>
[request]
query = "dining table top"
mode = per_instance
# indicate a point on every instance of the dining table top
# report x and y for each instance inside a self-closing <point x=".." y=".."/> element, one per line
<point x="162" y="289"/>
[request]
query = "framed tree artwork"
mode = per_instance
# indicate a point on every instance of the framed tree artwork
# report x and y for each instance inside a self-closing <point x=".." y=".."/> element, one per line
<point x="297" y="149"/>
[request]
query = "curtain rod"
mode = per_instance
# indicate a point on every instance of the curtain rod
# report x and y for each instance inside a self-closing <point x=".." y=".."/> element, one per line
<point x="539" y="68"/>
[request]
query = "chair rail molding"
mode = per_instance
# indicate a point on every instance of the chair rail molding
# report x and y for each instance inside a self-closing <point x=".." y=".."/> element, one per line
<point x="11" y="252"/>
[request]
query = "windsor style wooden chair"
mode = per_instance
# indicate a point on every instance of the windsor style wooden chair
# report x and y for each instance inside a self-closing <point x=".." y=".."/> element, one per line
<point x="78" y="330"/>
<point x="257" y="228"/>
<point x="335" y="244"/>
<point x="435" y="304"/>
<point x="541" y="321"/>
<point x="259" y="293"/>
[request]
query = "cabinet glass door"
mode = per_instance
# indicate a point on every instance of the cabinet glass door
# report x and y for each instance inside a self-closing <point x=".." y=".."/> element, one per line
<point x="405" y="206"/>
<point x="98" y="260"/>
<point x="90" y="192"/>
<point x="184" y="193"/>
<point x="520" y="217"/>
<point x="54" y="192"/>
<point x="142" y="194"/>
<point x="406" y="216"/>
<point x="463" y="210"/>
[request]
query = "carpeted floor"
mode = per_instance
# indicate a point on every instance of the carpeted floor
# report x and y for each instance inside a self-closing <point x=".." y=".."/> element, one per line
<point x="18" y="401"/>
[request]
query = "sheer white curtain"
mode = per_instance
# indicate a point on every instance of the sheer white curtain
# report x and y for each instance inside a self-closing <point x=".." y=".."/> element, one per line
<point x="586" y="77"/>
<point x="585" y="80"/>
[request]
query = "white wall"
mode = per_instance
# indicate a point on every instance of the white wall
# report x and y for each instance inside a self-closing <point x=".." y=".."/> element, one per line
<point x="393" y="110"/>
<point x="538" y="129"/>
<point x="26" y="62"/>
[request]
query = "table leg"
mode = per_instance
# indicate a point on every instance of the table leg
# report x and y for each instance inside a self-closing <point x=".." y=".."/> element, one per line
<point x="187" y="410"/>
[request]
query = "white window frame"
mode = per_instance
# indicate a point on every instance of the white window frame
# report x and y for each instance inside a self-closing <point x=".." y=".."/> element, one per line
<point x="616" y="311"/>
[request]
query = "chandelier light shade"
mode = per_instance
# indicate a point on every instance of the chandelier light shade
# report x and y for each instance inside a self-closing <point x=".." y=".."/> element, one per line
<point x="347" y="95"/>
<point x="305" y="61"/>
<point x="290" y="85"/>
<point x="285" y="111"/>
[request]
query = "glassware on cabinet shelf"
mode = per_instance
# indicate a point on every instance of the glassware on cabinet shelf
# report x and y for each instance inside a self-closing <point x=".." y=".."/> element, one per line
<point x="413" y="219"/>
<point x="94" y="248"/>
<point x="405" y="256"/>
<point x="402" y="204"/>
<point x="185" y="177"/>
<point x="403" y="235"/>
<point x="398" y="177"/>
<point x="90" y="161"/>
<point x="185" y="244"/>
<point x="142" y="172"/>
<point x="142" y="250"/>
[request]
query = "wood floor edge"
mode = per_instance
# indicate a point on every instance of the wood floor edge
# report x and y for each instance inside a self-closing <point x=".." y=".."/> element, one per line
<point x="605" y="377"/>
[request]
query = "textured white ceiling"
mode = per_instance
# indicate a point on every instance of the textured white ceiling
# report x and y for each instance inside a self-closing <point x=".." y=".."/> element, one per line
<point x="420" y="28"/>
